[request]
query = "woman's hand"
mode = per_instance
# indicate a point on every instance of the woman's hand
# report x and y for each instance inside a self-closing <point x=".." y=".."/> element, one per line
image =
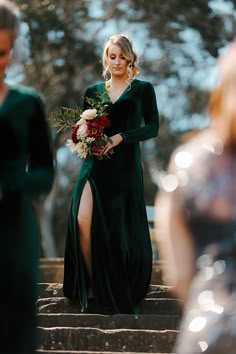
<point x="116" y="140"/>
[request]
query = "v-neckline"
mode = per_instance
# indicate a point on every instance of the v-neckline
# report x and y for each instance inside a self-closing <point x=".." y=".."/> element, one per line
<point x="122" y="93"/>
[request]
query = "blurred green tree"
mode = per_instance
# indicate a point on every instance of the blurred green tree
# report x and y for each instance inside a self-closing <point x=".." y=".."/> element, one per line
<point x="179" y="41"/>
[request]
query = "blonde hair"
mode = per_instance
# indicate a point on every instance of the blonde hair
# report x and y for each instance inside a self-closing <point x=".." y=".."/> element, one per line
<point x="222" y="105"/>
<point x="9" y="20"/>
<point x="125" y="44"/>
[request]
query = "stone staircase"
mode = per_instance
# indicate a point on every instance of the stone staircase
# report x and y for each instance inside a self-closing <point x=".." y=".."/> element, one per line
<point x="64" y="330"/>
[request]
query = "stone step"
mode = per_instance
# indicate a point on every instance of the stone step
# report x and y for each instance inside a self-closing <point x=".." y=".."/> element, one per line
<point x="52" y="270"/>
<point x="64" y="330"/>
<point x="41" y="351"/>
<point x="160" y="306"/>
<point x="149" y="322"/>
<point x="55" y="290"/>
<point x="94" y="339"/>
<point x="51" y="261"/>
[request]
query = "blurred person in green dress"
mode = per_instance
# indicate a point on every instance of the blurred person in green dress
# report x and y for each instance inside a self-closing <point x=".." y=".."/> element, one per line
<point x="108" y="247"/>
<point x="26" y="171"/>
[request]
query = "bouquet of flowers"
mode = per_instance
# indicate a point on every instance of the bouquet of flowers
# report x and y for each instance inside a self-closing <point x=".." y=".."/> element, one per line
<point x="87" y="137"/>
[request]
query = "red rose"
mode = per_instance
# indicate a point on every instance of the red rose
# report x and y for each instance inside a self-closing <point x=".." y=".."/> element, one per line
<point x="95" y="149"/>
<point x="105" y="121"/>
<point x="94" y="130"/>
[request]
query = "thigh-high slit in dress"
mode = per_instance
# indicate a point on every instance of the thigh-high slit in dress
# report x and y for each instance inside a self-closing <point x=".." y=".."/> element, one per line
<point x="121" y="252"/>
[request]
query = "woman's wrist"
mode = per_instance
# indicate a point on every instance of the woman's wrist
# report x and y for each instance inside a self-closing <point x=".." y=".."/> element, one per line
<point x="120" y="137"/>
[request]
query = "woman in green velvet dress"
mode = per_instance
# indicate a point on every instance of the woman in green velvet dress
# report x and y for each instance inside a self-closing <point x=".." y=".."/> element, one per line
<point x="26" y="171"/>
<point x="108" y="248"/>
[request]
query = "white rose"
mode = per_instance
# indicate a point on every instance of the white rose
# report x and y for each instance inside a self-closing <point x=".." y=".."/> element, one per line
<point x="82" y="131"/>
<point x="89" y="114"/>
<point x="81" y="121"/>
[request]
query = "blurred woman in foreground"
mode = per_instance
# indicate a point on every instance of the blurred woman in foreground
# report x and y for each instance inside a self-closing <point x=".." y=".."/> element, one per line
<point x="26" y="172"/>
<point x="197" y="227"/>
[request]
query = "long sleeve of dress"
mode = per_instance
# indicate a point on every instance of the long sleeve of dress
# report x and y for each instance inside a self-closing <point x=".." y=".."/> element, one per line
<point x="150" y="116"/>
<point x="40" y="170"/>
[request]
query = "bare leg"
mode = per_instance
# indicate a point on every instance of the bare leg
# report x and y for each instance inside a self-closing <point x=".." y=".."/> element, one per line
<point x="84" y="223"/>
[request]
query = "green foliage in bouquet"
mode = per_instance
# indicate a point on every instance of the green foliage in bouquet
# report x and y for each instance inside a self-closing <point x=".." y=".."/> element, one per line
<point x="65" y="118"/>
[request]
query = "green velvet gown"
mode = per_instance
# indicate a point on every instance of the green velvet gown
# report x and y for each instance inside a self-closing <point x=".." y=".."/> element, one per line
<point x="26" y="171"/>
<point x="120" y="241"/>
